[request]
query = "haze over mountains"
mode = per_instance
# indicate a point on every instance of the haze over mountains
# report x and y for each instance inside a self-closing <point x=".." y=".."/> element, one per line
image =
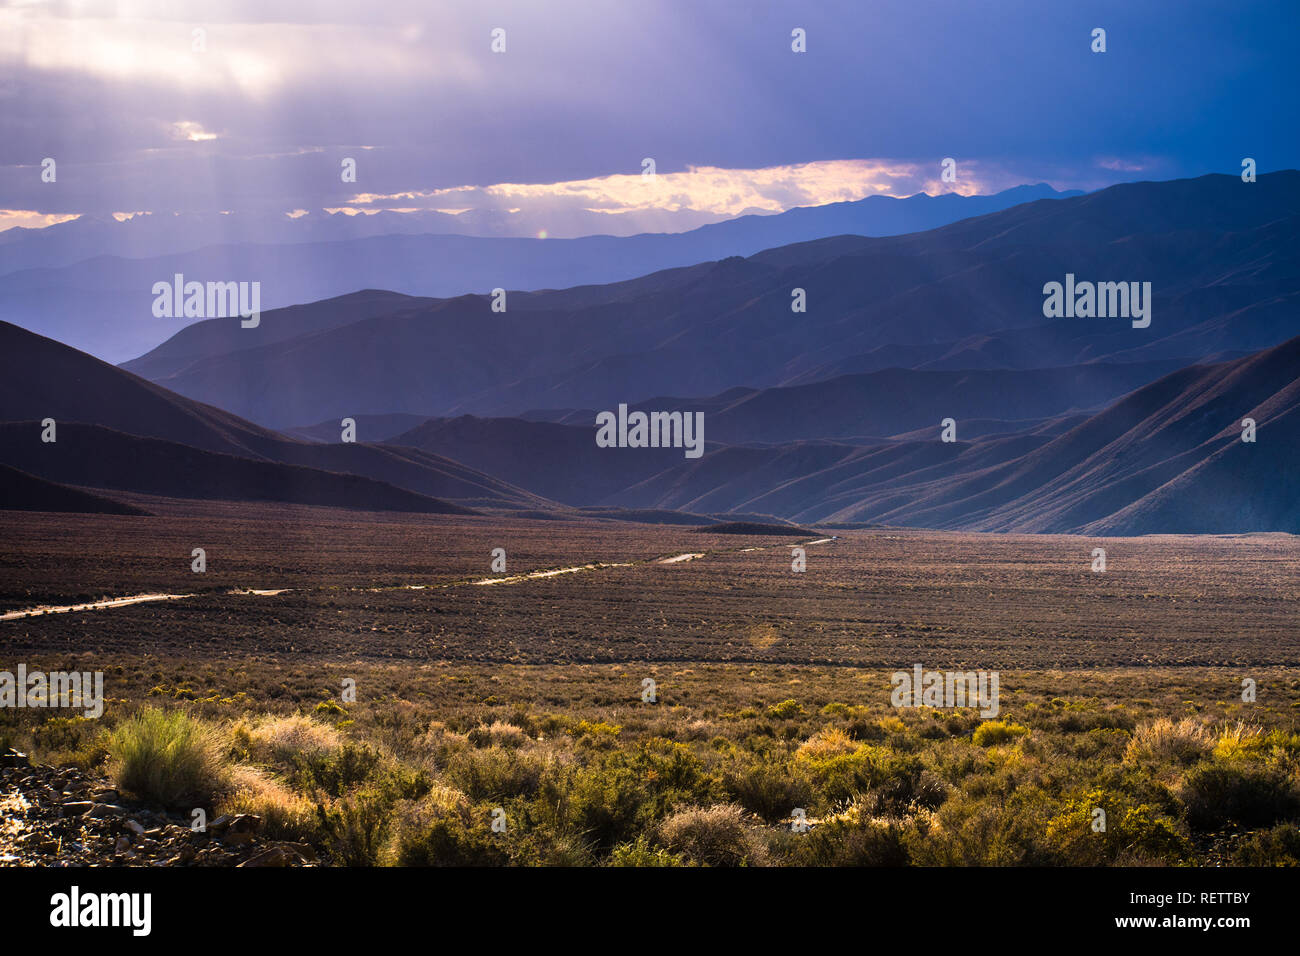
<point x="117" y="431"/>
<point x="1167" y="457"/>
<point x="832" y="415"/>
<point x="88" y="282"/>
<point x="964" y="296"/>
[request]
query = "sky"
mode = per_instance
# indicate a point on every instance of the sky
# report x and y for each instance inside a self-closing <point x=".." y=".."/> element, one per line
<point x="257" y="111"/>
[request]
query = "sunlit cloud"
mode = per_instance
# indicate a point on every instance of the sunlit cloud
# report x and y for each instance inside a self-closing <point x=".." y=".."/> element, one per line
<point x="30" y="219"/>
<point x="190" y="131"/>
<point x="709" y="192"/>
<point x="255" y="111"/>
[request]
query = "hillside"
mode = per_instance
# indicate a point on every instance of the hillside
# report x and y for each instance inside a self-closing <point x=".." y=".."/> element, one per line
<point x="1221" y="257"/>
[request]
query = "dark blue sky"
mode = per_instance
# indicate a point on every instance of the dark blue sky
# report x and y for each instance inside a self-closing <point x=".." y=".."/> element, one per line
<point x="259" y="120"/>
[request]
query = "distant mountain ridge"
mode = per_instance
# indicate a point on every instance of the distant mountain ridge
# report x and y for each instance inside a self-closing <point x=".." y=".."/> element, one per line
<point x="1168" y="458"/>
<point x="828" y="416"/>
<point x="149" y="236"/>
<point x="964" y="296"/>
<point x="114" y="427"/>
<point x="95" y="294"/>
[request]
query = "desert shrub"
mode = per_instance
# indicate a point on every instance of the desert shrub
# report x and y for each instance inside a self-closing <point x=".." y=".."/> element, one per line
<point x="892" y="726"/>
<point x="168" y="757"/>
<point x="1109" y="743"/>
<point x="785" y="710"/>
<point x="1247" y="740"/>
<point x="861" y="728"/>
<point x="900" y="780"/>
<point x="841" y="771"/>
<point x="1167" y="741"/>
<point x="933" y="730"/>
<point x="841" y="776"/>
<point x="770" y="788"/>
<point x="440" y="743"/>
<point x="1132" y="832"/>
<point x="285" y="738"/>
<point x="626" y="793"/>
<point x="854" y="837"/>
<point x="74" y="740"/>
<point x="959" y="725"/>
<point x="599" y="732"/>
<point x="62" y="733"/>
<point x="334" y="772"/>
<point x="1277" y="846"/>
<point x="826" y="743"/>
<point x="285" y="815"/>
<point x="353" y="829"/>
<point x="444" y="829"/>
<point x="494" y="773"/>
<point x="993" y="732"/>
<point x="1239" y="792"/>
<point x="989" y="831"/>
<point x="498" y="734"/>
<point x="713" y="836"/>
<point x="641" y="853"/>
<point x="1075" y="722"/>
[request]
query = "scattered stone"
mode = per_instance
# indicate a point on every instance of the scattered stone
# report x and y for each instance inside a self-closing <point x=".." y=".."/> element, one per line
<point x="279" y="855"/>
<point x="306" y="851"/>
<point x="12" y="758"/>
<point x="66" y="817"/>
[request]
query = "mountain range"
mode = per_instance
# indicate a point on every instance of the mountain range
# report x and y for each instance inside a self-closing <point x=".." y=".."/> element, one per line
<point x="833" y="416"/>
<point x="88" y="283"/>
<point x="966" y="296"/>
<point x="114" y="430"/>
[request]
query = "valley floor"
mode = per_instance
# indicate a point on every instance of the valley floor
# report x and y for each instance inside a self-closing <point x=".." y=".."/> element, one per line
<point x="677" y="697"/>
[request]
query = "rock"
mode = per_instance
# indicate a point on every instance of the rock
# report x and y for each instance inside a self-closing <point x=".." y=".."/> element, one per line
<point x="277" y="855"/>
<point x="12" y="758"/>
<point x="241" y="829"/>
<point x="70" y="818"/>
<point x="306" y="851"/>
<point x="185" y="855"/>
